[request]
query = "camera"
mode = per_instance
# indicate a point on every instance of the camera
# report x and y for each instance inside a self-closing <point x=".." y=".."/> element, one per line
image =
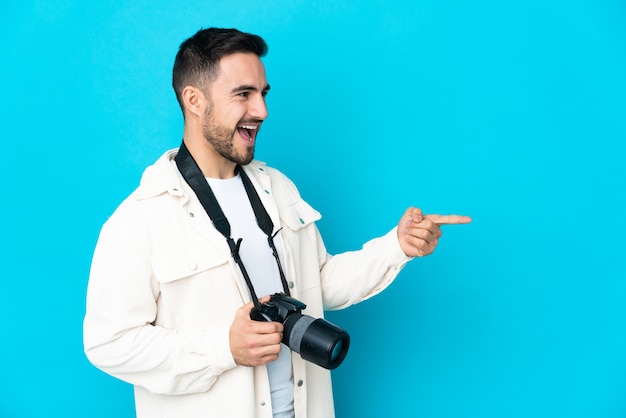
<point x="316" y="340"/>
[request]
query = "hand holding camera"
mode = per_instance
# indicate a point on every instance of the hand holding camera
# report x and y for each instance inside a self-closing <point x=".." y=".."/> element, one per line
<point x="254" y="343"/>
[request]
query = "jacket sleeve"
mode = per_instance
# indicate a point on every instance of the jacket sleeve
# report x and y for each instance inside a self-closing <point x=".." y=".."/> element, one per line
<point x="354" y="276"/>
<point x="120" y="335"/>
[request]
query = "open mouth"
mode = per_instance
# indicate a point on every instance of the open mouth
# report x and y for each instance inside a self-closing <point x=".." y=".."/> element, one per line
<point x="248" y="132"/>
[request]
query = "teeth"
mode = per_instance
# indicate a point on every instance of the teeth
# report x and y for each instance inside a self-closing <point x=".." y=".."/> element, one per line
<point x="248" y="127"/>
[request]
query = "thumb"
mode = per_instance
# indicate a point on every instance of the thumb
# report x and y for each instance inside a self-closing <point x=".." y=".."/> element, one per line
<point x="414" y="213"/>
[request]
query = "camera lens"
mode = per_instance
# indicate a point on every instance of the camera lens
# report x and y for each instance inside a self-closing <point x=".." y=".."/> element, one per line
<point x="336" y="351"/>
<point x="317" y="340"/>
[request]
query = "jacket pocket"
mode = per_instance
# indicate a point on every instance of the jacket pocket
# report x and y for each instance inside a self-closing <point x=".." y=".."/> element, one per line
<point x="302" y="245"/>
<point x="186" y="262"/>
<point x="196" y="288"/>
<point x="298" y="215"/>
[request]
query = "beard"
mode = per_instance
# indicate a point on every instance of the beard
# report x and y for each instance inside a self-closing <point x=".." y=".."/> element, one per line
<point x="222" y="139"/>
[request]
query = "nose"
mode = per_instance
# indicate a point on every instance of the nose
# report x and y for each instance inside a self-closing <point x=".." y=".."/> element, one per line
<point x="258" y="107"/>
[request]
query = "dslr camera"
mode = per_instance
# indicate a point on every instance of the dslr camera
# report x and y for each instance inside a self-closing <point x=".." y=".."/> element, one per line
<point x="316" y="340"/>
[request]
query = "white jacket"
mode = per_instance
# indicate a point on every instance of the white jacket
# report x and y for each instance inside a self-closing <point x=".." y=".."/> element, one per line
<point x="163" y="291"/>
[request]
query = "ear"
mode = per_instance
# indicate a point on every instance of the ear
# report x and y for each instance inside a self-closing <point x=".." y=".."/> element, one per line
<point x="193" y="101"/>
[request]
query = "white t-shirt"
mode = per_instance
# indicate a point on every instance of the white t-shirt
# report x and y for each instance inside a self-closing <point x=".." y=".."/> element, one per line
<point x="261" y="266"/>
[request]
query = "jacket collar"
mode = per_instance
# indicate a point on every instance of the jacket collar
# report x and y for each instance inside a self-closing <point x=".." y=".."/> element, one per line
<point x="163" y="177"/>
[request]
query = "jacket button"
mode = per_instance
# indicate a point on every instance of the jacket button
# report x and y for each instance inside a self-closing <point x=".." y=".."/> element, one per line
<point x="262" y="403"/>
<point x="291" y="285"/>
<point x="193" y="266"/>
<point x="191" y="215"/>
<point x="300" y="383"/>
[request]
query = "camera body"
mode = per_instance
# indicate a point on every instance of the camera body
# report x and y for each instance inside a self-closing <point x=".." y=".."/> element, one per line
<point x="316" y="340"/>
<point x="279" y="307"/>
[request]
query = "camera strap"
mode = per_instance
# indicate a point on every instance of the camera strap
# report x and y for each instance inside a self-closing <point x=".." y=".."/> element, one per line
<point x="196" y="180"/>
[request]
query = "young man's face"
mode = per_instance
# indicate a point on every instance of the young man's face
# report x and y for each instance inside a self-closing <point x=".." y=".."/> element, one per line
<point x="236" y="107"/>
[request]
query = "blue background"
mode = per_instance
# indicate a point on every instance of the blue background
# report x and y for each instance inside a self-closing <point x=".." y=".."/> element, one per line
<point x="511" y="112"/>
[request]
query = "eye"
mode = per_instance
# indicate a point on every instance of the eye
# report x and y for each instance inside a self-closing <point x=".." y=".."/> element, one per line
<point x="244" y="94"/>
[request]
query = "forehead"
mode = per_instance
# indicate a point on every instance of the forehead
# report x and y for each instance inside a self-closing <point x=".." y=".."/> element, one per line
<point x="241" y="69"/>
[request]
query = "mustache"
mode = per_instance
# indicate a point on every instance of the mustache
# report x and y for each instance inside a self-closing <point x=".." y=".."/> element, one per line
<point x="259" y="121"/>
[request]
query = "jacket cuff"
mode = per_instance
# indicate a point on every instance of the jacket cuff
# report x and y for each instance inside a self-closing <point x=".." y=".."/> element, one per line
<point x="217" y="343"/>
<point x="392" y="250"/>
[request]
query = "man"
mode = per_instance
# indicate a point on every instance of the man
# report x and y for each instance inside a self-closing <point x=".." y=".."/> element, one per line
<point x="171" y="290"/>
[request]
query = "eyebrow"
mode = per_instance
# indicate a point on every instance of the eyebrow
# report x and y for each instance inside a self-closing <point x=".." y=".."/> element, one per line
<point x="239" y="89"/>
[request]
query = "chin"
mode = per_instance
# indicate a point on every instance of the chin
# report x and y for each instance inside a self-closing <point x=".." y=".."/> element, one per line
<point x="247" y="159"/>
<point x="243" y="160"/>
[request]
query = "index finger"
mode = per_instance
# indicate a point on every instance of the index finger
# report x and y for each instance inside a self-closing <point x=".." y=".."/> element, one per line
<point x="449" y="219"/>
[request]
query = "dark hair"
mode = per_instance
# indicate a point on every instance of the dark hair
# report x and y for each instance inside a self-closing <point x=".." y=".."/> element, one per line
<point x="197" y="60"/>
